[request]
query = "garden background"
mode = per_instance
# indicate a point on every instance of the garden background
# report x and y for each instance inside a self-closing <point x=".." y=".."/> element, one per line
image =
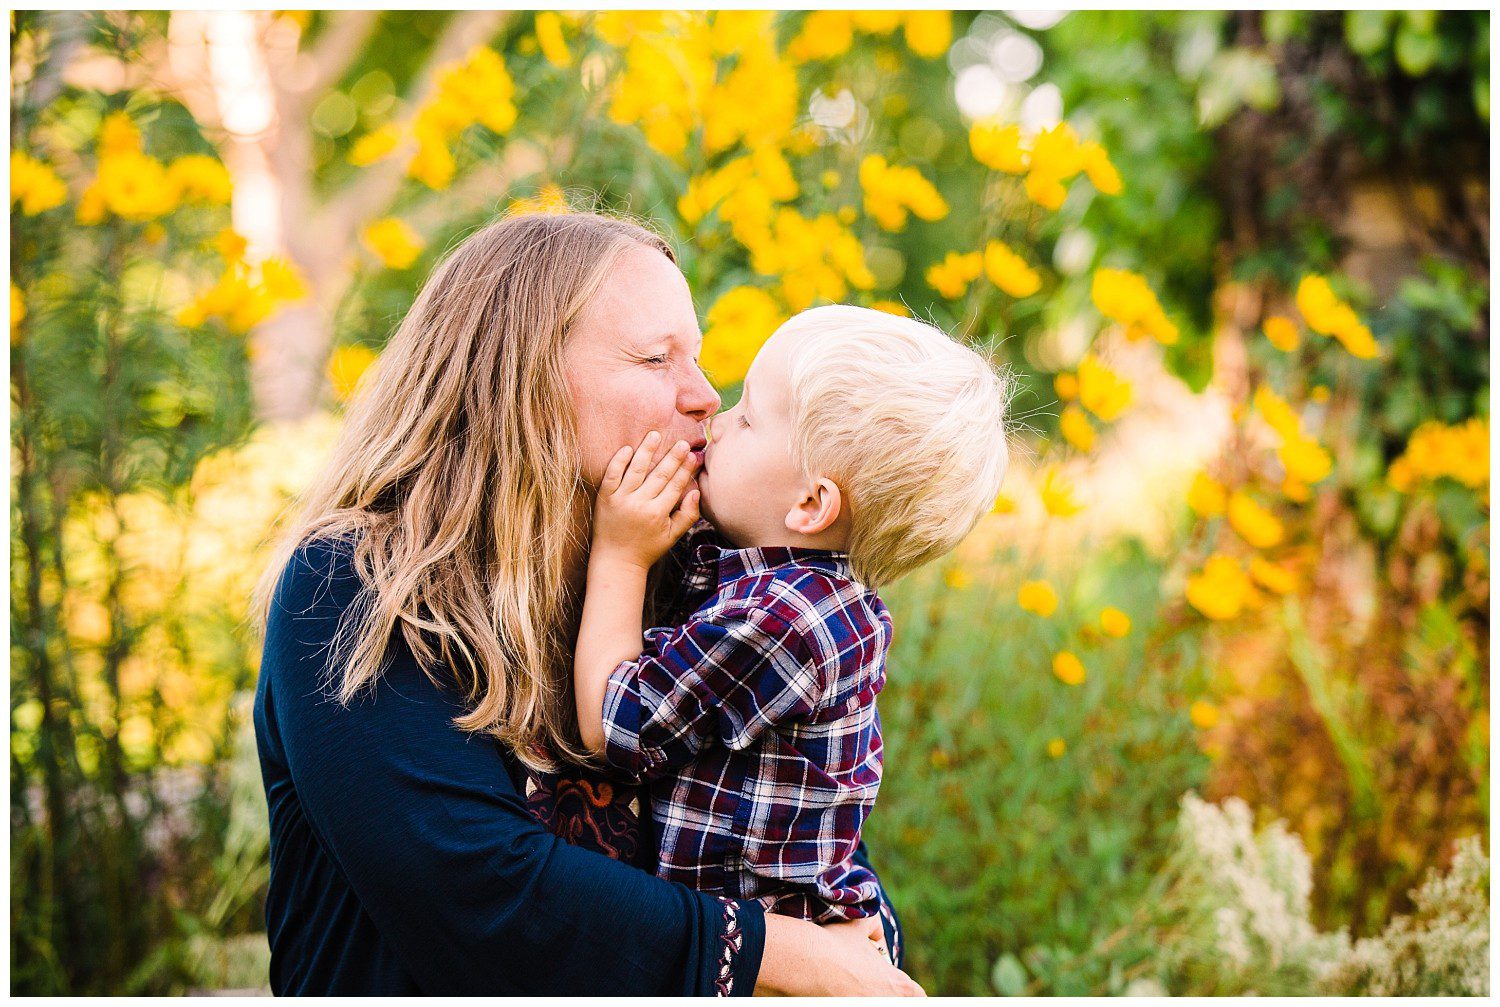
<point x="1199" y="706"/>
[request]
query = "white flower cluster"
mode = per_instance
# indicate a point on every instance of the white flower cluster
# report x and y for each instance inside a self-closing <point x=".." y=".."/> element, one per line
<point x="1256" y="889"/>
<point x="1234" y="919"/>
<point x="1443" y="949"/>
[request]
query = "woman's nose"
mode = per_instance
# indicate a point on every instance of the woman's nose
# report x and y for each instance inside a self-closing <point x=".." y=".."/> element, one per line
<point x="698" y="398"/>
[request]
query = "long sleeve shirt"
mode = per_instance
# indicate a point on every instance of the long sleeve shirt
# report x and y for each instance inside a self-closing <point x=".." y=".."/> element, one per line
<point x="755" y="723"/>
<point x="409" y="856"/>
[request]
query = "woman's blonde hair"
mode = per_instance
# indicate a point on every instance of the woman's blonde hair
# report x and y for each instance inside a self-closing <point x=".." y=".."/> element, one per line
<point x="908" y="422"/>
<point x="457" y="480"/>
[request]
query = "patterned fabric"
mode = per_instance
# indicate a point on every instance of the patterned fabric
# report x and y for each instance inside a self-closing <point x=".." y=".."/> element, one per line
<point x="733" y="939"/>
<point x="589" y="809"/>
<point x="754" y="723"/>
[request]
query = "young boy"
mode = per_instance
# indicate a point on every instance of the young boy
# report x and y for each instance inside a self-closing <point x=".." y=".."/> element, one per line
<point x="863" y="445"/>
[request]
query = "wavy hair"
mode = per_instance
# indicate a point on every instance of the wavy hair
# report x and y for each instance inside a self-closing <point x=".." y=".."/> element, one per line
<point x="457" y="479"/>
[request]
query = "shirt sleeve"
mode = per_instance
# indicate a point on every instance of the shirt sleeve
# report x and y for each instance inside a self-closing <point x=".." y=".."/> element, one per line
<point x="426" y="825"/>
<point x="724" y="676"/>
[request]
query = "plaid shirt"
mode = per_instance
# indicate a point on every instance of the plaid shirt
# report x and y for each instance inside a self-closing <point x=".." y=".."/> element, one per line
<point x="754" y="723"/>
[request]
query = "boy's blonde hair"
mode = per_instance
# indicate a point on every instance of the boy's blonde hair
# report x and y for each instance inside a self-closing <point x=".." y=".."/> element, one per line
<point x="908" y="422"/>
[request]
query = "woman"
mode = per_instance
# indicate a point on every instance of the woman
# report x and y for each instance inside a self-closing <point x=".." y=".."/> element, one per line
<point x="413" y="713"/>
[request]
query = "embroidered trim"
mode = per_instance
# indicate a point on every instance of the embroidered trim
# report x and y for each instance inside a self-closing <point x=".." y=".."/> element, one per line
<point x="890" y="918"/>
<point x="734" y="939"/>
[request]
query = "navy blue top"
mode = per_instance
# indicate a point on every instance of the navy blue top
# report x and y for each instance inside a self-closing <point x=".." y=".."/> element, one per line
<point x="406" y="857"/>
<point x="413" y="857"/>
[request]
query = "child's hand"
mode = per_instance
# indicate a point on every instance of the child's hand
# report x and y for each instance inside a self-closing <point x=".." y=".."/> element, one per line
<point x="641" y="510"/>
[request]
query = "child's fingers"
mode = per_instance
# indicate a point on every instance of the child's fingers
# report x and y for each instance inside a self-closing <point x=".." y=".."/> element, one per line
<point x="686" y="515"/>
<point x="679" y="480"/>
<point x="616" y="469"/>
<point x="671" y="464"/>
<point x="640" y="463"/>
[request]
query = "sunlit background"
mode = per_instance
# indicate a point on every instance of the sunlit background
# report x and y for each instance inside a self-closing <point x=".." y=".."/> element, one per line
<point x="1201" y="708"/>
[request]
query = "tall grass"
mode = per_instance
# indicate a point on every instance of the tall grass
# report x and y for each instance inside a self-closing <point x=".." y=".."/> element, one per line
<point x="989" y="842"/>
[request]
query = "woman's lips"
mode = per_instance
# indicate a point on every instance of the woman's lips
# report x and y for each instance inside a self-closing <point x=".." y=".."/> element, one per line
<point x="699" y="456"/>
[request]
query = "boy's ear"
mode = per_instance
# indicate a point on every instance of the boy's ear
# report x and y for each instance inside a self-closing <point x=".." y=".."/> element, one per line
<point x="817" y="510"/>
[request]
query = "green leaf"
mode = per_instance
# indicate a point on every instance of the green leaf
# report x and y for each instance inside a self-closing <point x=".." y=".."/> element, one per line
<point x="1367" y="31"/>
<point x="1009" y="976"/>
<point x="1416" y="51"/>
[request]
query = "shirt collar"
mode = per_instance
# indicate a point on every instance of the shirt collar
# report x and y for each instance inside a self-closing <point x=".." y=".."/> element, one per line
<point x="728" y="563"/>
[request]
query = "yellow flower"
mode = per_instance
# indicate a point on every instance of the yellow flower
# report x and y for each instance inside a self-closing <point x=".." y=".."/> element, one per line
<point x="282" y="280"/>
<point x="1057" y="748"/>
<point x="1100" y="170"/>
<point x="1306" y="461"/>
<point x="1114" y="622"/>
<point x="1004" y="504"/>
<point x="230" y="245"/>
<point x="1055" y="157"/>
<point x="375" y="145"/>
<point x="813" y="259"/>
<point x="239" y="303"/>
<point x="550" y="37"/>
<point x="1255" y="524"/>
<point x="393" y="242"/>
<point x="1436" y="451"/>
<point x="34" y="184"/>
<point x="957" y="578"/>
<point x="952" y="276"/>
<point x="998" y="146"/>
<point x="1066" y="386"/>
<point x="891" y="308"/>
<point x="1101" y="391"/>
<point x="1009" y="271"/>
<point x="1204" y="715"/>
<point x="929" y="32"/>
<point x="91" y="209"/>
<point x="1057" y="153"/>
<point x="346" y="366"/>
<point x="1295" y="490"/>
<point x="118" y="134"/>
<point x="198" y="176"/>
<point x="1221" y="590"/>
<point x="1282" y="332"/>
<point x="1057" y="495"/>
<point x="1318" y="393"/>
<point x="738" y="323"/>
<point x="830" y="179"/>
<point x="1037" y="596"/>
<point x="1206" y="496"/>
<point x="1126" y="298"/>
<point x="1046" y="190"/>
<point x="876" y="22"/>
<point x="1277" y="413"/>
<point x="1272" y="577"/>
<point x="1325" y="312"/>
<point x="825" y="34"/>
<point x="136" y="187"/>
<point x="1068" y="669"/>
<point x="1076" y="429"/>
<point x="549" y="199"/>
<point x="891" y="191"/>
<point x="17" y="312"/>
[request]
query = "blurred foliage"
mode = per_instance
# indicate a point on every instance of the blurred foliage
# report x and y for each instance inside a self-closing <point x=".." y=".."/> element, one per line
<point x="1288" y="208"/>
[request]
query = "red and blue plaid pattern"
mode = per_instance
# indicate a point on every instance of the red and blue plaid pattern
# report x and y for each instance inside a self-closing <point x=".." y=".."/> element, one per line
<point x="754" y="723"/>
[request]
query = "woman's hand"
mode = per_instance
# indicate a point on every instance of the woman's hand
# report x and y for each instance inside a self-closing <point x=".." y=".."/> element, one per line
<point x="836" y="959"/>
<point x="641" y="510"/>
